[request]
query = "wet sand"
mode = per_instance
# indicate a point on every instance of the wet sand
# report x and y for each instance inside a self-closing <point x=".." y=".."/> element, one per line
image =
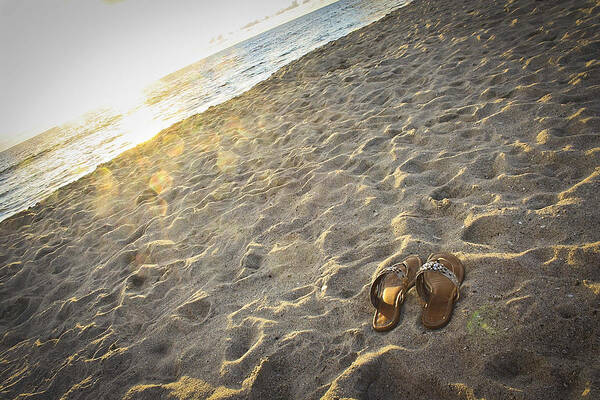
<point x="231" y="256"/>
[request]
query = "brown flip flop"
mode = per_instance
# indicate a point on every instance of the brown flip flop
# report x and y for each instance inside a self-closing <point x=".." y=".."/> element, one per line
<point x="438" y="282"/>
<point x="388" y="291"/>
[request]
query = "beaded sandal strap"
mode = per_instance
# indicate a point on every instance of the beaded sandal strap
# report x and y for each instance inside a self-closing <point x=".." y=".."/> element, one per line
<point x="434" y="266"/>
<point x="400" y="269"/>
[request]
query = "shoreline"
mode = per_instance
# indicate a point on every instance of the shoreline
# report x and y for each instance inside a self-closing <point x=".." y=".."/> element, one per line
<point x="14" y="197"/>
<point x="231" y="255"/>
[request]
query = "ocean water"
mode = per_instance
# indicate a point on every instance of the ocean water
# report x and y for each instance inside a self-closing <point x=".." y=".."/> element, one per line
<point x="32" y="170"/>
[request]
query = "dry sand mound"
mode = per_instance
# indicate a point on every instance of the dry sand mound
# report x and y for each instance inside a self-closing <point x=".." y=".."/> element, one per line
<point x="231" y="256"/>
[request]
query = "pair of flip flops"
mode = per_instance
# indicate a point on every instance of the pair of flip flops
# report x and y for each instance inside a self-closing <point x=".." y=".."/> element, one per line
<point x="437" y="280"/>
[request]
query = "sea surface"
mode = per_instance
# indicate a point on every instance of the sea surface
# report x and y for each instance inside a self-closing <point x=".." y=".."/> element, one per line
<point x="32" y="170"/>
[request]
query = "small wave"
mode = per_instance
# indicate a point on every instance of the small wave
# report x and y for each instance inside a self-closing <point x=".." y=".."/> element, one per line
<point x="286" y="53"/>
<point x="29" y="159"/>
<point x="60" y="144"/>
<point x="250" y="68"/>
<point x="108" y="140"/>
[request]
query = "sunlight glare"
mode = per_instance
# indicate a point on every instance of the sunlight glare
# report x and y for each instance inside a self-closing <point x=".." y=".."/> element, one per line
<point x="141" y="125"/>
<point x="160" y="181"/>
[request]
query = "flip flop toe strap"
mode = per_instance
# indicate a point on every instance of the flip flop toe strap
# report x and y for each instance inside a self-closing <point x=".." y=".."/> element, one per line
<point x="434" y="266"/>
<point x="399" y="269"/>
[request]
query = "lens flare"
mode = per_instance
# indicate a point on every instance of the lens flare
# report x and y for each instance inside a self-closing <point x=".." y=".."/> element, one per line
<point x="105" y="181"/>
<point x="226" y="160"/>
<point x="107" y="187"/>
<point x="143" y="162"/>
<point x="174" y="145"/>
<point x="162" y="208"/>
<point x="160" y="181"/>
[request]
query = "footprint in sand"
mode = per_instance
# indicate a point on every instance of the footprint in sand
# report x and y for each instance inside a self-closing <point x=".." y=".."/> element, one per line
<point x="253" y="256"/>
<point x="539" y="201"/>
<point x="298" y="292"/>
<point x="14" y="309"/>
<point x="241" y="341"/>
<point x="251" y="260"/>
<point x="487" y="229"/>
<point x="196" y="309"/>
<point x="144" y="277"/>
<point x="146" y="196"/>
<point x="509" y="365"/>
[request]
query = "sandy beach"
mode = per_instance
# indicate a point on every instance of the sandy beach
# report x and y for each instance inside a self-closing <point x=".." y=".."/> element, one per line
<point x="231" y="256"/>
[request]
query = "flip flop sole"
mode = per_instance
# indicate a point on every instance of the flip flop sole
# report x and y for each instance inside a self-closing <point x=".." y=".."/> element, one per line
<point x="391" y="293"/>
<point x="442" y="293"/>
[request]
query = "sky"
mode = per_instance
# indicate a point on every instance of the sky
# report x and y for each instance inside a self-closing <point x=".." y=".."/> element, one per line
<point x="62" y="58"/>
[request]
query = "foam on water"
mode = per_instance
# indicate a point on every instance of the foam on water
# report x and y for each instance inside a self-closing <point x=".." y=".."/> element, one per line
<point x="32" y="170"/>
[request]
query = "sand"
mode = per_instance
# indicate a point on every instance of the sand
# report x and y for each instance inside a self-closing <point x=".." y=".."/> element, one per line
<point x="231" y="256"/>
